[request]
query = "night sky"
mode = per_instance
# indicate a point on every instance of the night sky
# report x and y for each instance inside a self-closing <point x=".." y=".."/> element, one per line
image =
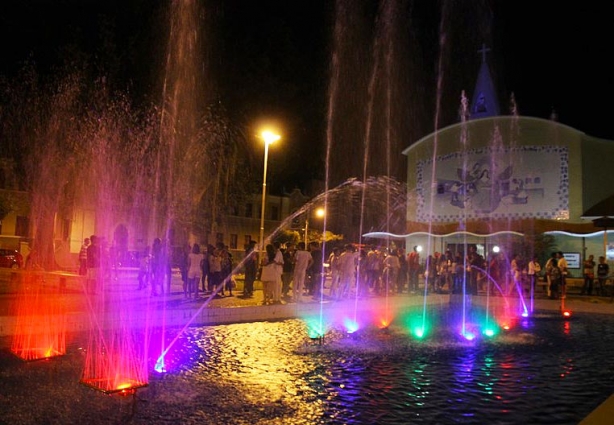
<point x="272" y="59"/>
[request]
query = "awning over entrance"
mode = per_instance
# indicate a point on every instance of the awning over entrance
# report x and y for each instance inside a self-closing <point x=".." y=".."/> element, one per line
<point x="602" y="216"/>
<point x="484" y="227"/>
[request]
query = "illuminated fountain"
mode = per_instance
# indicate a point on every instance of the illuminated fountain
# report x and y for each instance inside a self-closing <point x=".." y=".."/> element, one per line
<point x="125" y="178"/>
<point x="126" y="333"/>
<point x="40" y="330"/>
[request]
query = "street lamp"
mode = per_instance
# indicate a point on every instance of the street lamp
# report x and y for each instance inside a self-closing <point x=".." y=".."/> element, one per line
<point x="320" y="212"/>
<point x="268" y="137"/>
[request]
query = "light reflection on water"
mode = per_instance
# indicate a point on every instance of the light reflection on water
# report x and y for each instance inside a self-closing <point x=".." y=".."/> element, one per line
<point x="549" y="372"/>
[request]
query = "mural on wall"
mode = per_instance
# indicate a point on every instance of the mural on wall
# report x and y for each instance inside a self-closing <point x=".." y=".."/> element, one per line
<point x="508" y="182"/>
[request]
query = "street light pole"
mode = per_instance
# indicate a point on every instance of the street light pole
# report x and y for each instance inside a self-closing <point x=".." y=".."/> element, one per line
<point x="268" y="138"/>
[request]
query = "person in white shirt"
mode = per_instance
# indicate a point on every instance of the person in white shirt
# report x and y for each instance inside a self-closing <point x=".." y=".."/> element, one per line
<point x="562" y="264"/>
<point x="302" y="261"/>
<point x="348" y="260"/>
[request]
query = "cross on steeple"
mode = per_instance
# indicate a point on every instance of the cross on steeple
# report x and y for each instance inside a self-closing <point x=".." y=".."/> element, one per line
<point x="483" y="51"/>
<point x="484" y="102"/>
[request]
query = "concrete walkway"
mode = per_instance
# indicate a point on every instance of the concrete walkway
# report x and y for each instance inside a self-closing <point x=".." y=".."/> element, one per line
<point x="175" y="310"/>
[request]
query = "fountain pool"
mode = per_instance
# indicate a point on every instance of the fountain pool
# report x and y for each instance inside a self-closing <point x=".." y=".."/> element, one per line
<point x="546" y="370"/>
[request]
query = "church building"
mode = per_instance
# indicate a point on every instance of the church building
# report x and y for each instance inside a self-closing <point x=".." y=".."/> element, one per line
<point x="491" y="179"/>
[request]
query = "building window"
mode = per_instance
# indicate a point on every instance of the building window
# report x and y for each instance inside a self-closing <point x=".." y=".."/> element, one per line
<point x="21" y="226"/>
<point x="219" y="238"/>
<point x="233" y="241"/>
<point x="274" y="212"/>
<point x="248" y="210"/>
<point x="246" y="240"/>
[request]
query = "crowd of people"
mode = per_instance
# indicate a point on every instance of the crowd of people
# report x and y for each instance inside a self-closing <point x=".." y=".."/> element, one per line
<point x="372" y="270"/>
<point x="99" y="263"/>
<point x="292" y="272"/>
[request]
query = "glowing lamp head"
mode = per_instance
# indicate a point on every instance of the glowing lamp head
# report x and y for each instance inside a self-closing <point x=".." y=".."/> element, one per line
<point x="566" y="313"/>
<point x="269" y="137"/>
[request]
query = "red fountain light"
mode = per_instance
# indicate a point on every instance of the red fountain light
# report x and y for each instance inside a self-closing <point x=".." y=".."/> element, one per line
<point x="40" y="330"/>
<point x="115" y="354"/>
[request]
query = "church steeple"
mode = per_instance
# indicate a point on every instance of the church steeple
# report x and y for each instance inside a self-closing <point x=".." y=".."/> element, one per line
<point x="485" y="102"/>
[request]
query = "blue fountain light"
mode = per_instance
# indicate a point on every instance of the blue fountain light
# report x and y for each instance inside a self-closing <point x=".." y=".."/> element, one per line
<point x="489" y="332"/>
<point x="350" y="325"/>
<point x="160" y="366"/>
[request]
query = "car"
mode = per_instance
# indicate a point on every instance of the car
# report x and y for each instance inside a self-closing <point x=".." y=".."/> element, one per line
<point x="11" y="258"/>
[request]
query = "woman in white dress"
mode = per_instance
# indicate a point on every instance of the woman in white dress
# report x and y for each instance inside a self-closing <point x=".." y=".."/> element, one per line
<point x="270" y="275"/>
<point x="195" y="271"/>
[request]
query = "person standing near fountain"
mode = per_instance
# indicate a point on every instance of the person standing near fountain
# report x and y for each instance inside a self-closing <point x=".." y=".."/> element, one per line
<point x="225" y="267"/>
<point x="83" y="257"/>
<point x="302" y="262"/>
<point x="562" y="265"/>
<point x="533" y="271"/>
<point x="279" y="261"/>
<point x="250" y="265"/>
<point x="430" y="274"/>
<point x="458" y="274"/>
<point x="413" y="268"/>
<point x="603" y="270"/>
<point x="333" y="264"/>
<point x="374" y="267"/>
<point x="215" y="269"/>
<point x="548" y="267"/>
<point x="315" y="281"/>
<point x="495" y="272"/>
<point x="556" y="277"/>
<point x="288" y="269"/>
<point x="589" y="275"/>
<point x="270" y="275"/>
<point x="157" y="267"/>
<point x="204" y="280"/>
<point x="391" y="270"/>
<point x="476" y="265"/>
<point x="348" y="261"/>
<point x="516" y="274"/>
<point x="195" y="260"/>
<point x="144" y="275"/>
<point x="93" y="266"/>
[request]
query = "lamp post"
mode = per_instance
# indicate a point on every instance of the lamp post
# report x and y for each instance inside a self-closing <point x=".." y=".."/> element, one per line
<point x="320" y="212"/>
<point x="268" y="137"/>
